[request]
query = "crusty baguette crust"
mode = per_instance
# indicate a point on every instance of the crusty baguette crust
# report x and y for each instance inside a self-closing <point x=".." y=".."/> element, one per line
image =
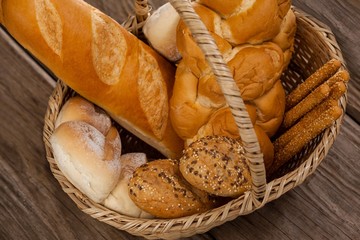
<point x="1" y="13"/>
<point x="101" y="61"/>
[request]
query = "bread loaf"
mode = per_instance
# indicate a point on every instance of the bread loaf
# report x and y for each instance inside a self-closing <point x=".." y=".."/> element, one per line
<point x="160" y="31"/>
<point x="119" y="199"/>
<point x="216" y="165"/>
<point x="101" y="61"/>
<point x="250" y="21"/>
<point x="159" y="188"/>
<point x="87" y="158"/>
<point x="87" y="148"/>
<point x="79" y="109"/>
<point x="256" y="40"/>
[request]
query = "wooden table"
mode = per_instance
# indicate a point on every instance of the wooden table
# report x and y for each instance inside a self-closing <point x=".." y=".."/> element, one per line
<point x="33" y="206"/>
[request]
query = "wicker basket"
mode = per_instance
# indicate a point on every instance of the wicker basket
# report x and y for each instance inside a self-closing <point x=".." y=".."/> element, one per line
<point x="315" y="44"/>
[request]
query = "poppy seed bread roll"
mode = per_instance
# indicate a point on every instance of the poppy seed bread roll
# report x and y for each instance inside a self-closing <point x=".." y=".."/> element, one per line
<point x="216" y="165"/>
<point x="159" y="189"/>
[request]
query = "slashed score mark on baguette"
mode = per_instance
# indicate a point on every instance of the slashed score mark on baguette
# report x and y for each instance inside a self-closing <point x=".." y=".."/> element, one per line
<point x="108" y="48"/>
<point x="108" y="52"/>
<point x="154" y="100"/>
<point x="50" y="24"/>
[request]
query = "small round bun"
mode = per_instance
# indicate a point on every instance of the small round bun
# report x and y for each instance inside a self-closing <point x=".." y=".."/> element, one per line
<point x="119" y="199"/>
<point x="87" y="158"/>
<point x="159" y="189"/>
<point x="160" y="31"/>
<point x="217" y="165"/>
<point x="79" y="109"/>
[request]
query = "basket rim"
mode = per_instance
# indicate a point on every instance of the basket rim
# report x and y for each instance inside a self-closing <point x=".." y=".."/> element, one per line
<point x="154" y="228"/>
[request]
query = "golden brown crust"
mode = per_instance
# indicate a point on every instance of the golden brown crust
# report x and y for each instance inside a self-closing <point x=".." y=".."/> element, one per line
<point x="323" y="121"/>
<point x="316" y="112"/>
<point x="216" y="165"/>
<point x="304" y="122"/>
<point x="270" y="109"/>
<point x="337" y="90"/>
<point x="284" y="7"/>
<point x="222" y="123"/>
<point x="1" y="13"/>
<point x="249" y="27"/>
<point x="307" y="104"/>
<point x="249" y="21"/>
<point x="313" y="81"/>
<point x="159" y="189"/>
<point x="339" y="76"/>
<point x="286" y="37"/>
<point x="186" y="113"/>
<point x="101" y="61"/>
<point x="256" y="70"/>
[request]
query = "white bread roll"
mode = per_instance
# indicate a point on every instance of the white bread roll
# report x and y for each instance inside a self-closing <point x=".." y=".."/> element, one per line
<point x="119" y="199"/>
<point x="247" y="21"/>
<point x="87" y="158"/>
<point x="160" y="31"/>
<point x="79" y="109"/>
<point x="100" y="60"/>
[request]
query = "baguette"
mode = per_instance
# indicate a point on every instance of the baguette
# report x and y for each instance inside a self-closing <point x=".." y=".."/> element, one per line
<point x="101" y="61"/>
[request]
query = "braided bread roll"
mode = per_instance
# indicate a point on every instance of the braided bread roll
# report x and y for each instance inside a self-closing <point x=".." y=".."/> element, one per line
<point x="256" y="39"/>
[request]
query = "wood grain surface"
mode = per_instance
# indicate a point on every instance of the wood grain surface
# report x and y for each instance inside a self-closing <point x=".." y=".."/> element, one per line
<point x="33" y="205"/>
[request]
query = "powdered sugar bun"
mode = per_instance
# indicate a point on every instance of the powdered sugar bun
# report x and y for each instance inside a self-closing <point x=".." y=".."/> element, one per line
<point x="79" y="109"/>
<point x="87" y="158"/>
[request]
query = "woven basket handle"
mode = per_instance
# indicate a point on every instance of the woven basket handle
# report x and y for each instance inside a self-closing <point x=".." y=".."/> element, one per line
<point x="134" y="24"/>
<point x="230" y="91"/>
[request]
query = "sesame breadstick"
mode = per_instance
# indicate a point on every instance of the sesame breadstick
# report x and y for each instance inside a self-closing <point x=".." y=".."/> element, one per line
<point x="317" y="78"/>
<point x="337" y="90"/>
<point x="304" y="122"/>
<point x="306" y="105"/>
<point x="324" y="121"/>
<point x="340" y="76"/>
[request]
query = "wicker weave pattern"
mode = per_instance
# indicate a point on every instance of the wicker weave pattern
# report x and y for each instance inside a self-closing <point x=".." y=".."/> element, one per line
<point x="315" y="45"/>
